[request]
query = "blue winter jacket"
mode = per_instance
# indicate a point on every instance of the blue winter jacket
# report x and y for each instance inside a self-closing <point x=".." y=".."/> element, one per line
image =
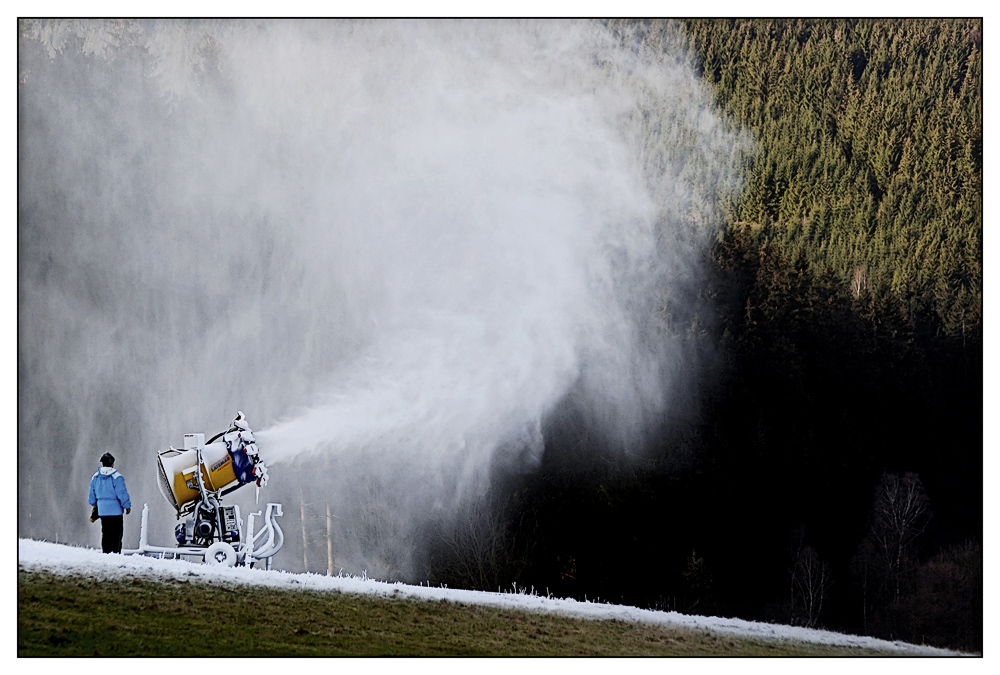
<point x="107" y="491"/>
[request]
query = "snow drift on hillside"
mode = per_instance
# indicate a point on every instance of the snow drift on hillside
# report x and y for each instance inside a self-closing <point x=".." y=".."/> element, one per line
<point x="70" y="560"/>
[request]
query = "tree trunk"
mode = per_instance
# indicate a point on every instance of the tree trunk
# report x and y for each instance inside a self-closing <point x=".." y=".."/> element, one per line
<point x="305" y="542"/>
<point x="329" y="542"/>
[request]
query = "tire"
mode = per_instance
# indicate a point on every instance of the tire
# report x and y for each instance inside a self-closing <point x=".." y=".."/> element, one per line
<point x="220" y="554"/>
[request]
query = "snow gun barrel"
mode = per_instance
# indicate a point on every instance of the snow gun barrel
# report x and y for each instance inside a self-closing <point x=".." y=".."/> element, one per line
<point x="186" y="474"/>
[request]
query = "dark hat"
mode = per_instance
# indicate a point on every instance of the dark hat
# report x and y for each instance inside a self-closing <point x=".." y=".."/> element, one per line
<point x="107" y="459"/>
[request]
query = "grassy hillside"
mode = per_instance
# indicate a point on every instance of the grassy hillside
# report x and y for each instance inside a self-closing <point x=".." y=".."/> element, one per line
<point x="76" y="616"/>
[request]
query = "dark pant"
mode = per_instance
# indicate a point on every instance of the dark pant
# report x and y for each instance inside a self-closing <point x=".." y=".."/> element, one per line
<point x="112" y="528"/>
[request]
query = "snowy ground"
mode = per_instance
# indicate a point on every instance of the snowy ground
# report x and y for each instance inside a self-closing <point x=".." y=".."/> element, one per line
<point x="62" y="559"/>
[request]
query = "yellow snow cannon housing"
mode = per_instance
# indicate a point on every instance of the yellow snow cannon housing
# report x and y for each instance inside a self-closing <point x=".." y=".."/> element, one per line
<point x="177" y="471"/>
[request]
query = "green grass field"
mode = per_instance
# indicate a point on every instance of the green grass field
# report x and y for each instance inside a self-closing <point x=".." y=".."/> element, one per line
<point x="75" y="616"/>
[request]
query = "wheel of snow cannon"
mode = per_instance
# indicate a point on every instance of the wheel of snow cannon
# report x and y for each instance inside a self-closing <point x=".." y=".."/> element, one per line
<point x="220" y="554"/>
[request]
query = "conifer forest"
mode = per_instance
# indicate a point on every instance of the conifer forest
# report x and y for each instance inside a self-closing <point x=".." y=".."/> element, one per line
<point x="829" y="472"/>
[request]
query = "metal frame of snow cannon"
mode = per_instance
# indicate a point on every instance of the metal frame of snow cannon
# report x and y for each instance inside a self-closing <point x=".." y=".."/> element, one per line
<point x="221" y="553"/>
<point x="223" y="523"/>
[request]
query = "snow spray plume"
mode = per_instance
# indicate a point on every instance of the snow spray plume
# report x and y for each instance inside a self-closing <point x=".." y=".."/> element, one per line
<point x="395" y="245"/>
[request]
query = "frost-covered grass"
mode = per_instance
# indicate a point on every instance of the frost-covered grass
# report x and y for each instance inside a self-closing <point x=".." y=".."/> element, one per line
<point x="75" y="601"/>
<point x="77" y="616"/>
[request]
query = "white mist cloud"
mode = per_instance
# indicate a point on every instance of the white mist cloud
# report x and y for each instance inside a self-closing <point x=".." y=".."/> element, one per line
<point x="396" y="245"/>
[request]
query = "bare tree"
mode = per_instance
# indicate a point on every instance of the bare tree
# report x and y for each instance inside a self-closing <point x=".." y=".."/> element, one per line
<point x="899" y="516"/>
<point x="475" y="540"/>
<point x="483" y="545"/>
<point x="380" y="524"/>
<point x="863" y="569"/>
<point x="859" y="282"/>
<point x="810" y="585"/>
<point x="697" y="581"/>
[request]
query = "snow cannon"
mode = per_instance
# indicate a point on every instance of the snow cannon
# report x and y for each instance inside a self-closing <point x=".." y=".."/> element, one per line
<point x="194" y="479"/>
<point x="225" y="465"/>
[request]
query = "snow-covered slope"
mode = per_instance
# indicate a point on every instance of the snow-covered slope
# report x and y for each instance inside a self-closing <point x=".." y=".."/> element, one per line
<point x="62" y="559"/>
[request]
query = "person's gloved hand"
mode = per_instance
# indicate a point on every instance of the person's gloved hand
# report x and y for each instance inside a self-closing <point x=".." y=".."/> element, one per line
<point x="127" y="511"/>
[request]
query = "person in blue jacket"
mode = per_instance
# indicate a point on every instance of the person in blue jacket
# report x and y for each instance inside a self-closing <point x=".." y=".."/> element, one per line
<point x="108" y="493"/>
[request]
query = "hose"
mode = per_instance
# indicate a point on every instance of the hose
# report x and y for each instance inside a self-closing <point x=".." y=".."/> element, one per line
<point x="269" y="549"/>
<point x="219" y="435"/>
